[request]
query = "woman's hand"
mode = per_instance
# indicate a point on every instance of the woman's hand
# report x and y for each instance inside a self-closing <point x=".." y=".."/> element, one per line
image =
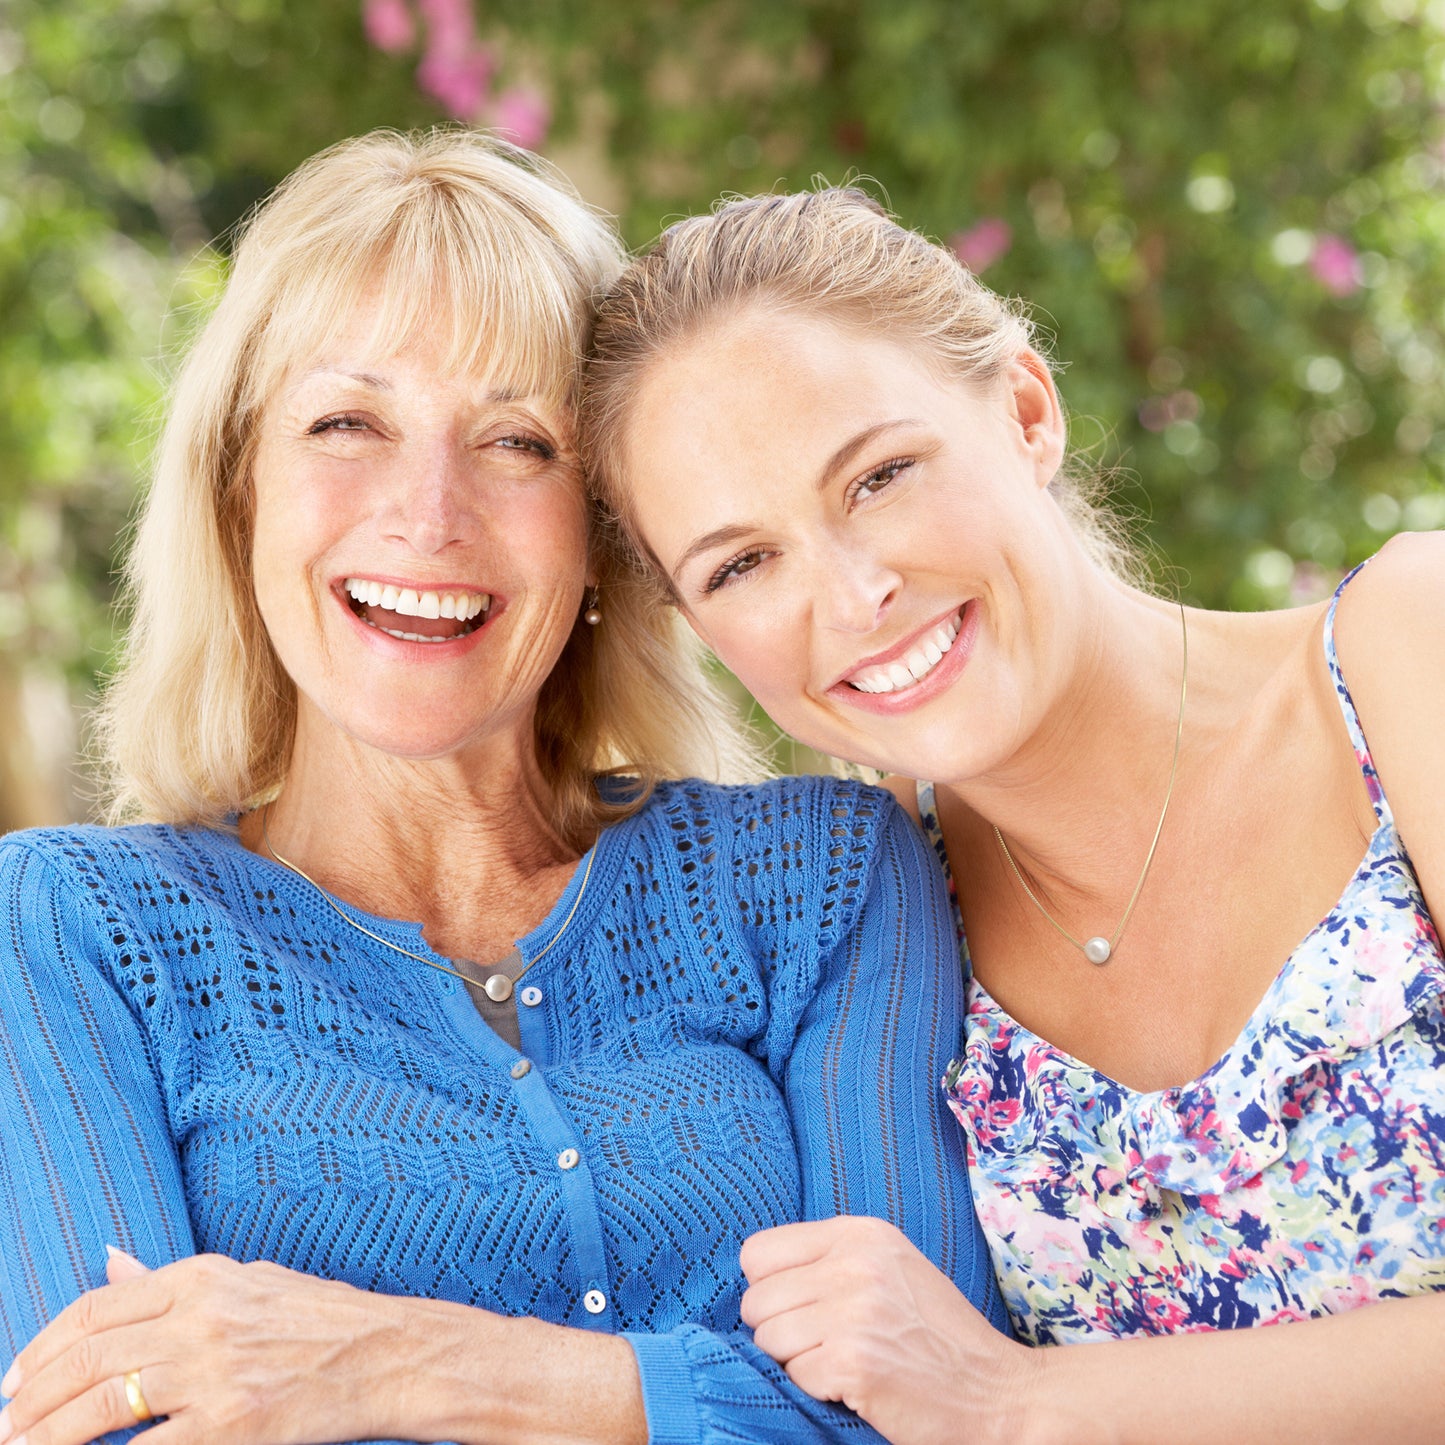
<point x="856" y="1314"/>
<point x="245" y="1354"/>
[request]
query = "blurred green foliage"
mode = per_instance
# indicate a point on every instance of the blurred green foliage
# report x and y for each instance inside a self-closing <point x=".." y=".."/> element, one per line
<point x="1228" y="216"/>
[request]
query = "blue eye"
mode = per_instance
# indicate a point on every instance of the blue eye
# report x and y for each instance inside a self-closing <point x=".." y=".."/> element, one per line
<point x="521" y="442"/>
<point x="342" y="421"/>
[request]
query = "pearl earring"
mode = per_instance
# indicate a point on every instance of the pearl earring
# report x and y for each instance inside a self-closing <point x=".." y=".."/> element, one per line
<point x="593" y="614"/>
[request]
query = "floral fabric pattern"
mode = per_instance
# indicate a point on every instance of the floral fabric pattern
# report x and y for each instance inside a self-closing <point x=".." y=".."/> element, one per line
<point x="1302" y="1174"/>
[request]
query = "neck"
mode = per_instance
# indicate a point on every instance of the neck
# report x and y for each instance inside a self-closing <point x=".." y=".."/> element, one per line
<point x="1080" y="798"/>
<point x="462" y="844"/>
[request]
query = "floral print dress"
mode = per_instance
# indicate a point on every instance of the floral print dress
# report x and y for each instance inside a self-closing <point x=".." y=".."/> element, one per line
<point x="1303" y="1174"/>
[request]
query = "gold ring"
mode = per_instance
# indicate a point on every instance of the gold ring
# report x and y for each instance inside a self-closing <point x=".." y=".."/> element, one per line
<point x="135" y="1398"/>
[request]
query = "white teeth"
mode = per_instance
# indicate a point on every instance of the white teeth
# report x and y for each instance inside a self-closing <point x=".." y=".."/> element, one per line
<point x="925" y="655"/>
<point x="413" y="602"/>
<point x="409" y="636"/>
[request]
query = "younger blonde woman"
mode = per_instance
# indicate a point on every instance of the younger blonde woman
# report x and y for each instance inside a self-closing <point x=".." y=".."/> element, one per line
<point x="1203" y="1084"/>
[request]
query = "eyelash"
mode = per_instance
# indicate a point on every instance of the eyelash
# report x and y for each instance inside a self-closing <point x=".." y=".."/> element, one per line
<point x="728" y="571"/>
<point x="333" y="423"/>
<point x="889" y="471"/>
<point x="351" y="421"/>
<point x="542" y="449"/>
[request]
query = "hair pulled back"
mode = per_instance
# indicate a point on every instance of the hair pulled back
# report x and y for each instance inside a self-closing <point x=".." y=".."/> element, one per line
<point x="834" y="254"/>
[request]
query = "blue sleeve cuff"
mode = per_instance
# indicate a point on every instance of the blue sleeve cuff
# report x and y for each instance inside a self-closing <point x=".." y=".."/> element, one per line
<point x="668" y="1395"/>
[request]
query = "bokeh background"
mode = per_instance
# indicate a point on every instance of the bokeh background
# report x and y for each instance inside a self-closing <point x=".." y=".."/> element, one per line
<point x="1228" y="215"/>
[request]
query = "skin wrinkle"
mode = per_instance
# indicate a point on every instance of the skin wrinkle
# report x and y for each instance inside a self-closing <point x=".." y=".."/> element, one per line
<point x="467" y="495"/>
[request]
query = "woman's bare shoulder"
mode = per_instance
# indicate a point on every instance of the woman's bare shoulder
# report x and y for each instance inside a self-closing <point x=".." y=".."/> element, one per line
<point x="1390" y="641"/>
<point x="1393" y="612"/>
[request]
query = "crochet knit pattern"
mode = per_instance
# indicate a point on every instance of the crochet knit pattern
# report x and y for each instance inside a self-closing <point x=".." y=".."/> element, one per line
<point x="743" y="1025"/>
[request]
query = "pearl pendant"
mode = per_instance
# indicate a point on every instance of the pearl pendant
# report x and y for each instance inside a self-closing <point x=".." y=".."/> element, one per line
<point x="498" y="987"/>
<point x="1096" y="950"/>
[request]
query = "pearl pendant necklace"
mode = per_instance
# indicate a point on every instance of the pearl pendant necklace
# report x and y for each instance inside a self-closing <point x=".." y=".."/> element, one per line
<point x="1099" y="950"/>
<point x="498" y="987"/>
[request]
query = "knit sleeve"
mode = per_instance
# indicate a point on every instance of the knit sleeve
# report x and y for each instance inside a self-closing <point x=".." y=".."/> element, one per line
<point x="866" y="1012"/>
<point x="86" y="1156"/>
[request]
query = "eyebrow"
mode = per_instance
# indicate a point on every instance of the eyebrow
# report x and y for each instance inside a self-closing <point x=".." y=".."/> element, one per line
<point x="736" y="531"/>
<point x="364" y="377"/>
<point x="504" y="396"/>
<point x="854" y="445"/>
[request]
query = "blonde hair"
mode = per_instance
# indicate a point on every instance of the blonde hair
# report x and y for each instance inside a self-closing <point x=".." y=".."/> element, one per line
<point x="451" y="233"/>
<point x="834" y="253"/>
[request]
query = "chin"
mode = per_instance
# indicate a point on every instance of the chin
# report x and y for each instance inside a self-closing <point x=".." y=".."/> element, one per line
<point x="410" y="742"/>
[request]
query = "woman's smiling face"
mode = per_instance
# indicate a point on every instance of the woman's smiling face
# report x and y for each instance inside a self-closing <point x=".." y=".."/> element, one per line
<point x="867" y="543"/>
<point x="419" y="547"/>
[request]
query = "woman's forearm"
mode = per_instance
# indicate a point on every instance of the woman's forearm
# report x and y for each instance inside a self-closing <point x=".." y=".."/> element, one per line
<point x="480" y="1379"/>
<point x="252" y="1353"/>
<point x="1376" y="1373"/>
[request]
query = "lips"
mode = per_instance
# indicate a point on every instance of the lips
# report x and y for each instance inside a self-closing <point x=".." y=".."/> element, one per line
<point x="909" y="674"/>
<point x="914" y="665"/>
<point x="417" y="614"/>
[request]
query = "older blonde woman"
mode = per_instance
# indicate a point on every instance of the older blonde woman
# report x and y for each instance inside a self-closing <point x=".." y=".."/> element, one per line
<point x="441" y="1071"/>
<point x="1204" y="1079"/>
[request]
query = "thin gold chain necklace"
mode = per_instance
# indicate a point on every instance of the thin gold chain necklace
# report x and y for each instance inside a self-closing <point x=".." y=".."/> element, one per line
<point x="1100" y="949"/>
<point x="498" y="987"/>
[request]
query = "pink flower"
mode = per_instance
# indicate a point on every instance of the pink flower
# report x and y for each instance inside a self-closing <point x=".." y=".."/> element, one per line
<point x="1336" y="264"/>
<point x="389" y="25"/>
<point x="455" y="70"/>
<point x="460" y="85"/>
<point x="523" y="116"/>
<point x="983" y="244"/>
<point x="449" y="26"/>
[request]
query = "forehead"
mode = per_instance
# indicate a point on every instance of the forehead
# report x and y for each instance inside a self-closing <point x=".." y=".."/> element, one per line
<point x="370" y="322"/>
<point x="763" y="392"/>
<point x="421" y="368"/>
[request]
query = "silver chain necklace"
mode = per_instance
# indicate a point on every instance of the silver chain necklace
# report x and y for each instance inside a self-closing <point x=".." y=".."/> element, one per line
<point x="1100" y="949"/>
<point x="498" y="987"/>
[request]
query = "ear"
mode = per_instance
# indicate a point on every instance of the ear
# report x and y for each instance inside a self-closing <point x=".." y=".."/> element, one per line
<point x="1034" y="407"/>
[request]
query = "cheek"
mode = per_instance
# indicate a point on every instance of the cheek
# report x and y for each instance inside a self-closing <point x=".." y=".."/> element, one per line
<point x="766" y="654"/>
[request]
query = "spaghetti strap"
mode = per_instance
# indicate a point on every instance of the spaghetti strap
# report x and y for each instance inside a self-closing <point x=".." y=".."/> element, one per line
<point x="1347" y="706"/>
<point x="933" y="831"/>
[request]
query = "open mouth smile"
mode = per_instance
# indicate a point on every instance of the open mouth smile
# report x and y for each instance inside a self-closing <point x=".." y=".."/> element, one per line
<point x="915" y="664"/>
<point x="414" y="615"/>
<point x="914" y="670"/>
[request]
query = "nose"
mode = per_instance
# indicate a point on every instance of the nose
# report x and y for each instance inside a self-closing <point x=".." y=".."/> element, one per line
<point x="432" y="498"/>
<point x="854" y="592"/>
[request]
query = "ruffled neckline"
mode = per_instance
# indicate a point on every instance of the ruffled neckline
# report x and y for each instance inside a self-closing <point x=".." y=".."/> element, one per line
<point x="1030" y="1106"/>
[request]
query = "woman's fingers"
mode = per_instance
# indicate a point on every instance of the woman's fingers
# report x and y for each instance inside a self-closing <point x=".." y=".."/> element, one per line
<point x="785" y="1247"/>
<point x="87" y="1383"/>
<point x="791" y="1246"/>
<point x="95" y="1312"/>
<point x="120" y="1266"/>
<point x="90" y="1414"/>
<point x="792" y="1333"/>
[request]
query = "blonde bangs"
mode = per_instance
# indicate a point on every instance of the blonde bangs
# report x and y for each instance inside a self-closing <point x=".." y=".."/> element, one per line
<point x="458" y="237"/>
<point x="446" y="271"/>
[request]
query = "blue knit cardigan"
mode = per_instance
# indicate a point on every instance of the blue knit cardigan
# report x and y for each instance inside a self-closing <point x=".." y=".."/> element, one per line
<point x="744" y="1024"/>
